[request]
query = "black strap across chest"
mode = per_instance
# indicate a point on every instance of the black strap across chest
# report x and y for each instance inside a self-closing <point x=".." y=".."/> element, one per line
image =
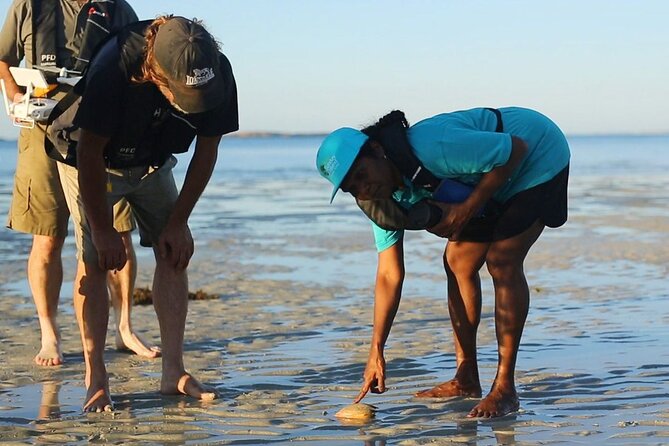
<point x="46" y="15"/>
<point x="387" y="213"/>
<point x="396" y="145"/>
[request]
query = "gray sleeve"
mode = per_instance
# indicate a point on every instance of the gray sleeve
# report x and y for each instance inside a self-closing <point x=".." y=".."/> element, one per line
<point x="15" y="31"/>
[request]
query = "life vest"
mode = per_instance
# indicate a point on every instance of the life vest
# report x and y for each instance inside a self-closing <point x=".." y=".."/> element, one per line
<point x="150" y="131"/>
<point x="45" y="17"/>
<point x="387" y="213"/>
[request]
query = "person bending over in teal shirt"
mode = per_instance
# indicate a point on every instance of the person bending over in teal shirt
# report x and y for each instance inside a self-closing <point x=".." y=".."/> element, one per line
<point x="514" y="165"/>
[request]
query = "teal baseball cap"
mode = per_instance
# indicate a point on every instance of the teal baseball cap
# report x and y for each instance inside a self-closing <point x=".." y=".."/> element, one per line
<point x="337" y="153"/>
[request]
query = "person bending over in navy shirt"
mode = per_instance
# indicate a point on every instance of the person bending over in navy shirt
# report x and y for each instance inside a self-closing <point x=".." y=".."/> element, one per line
<point x="148" y="93"/>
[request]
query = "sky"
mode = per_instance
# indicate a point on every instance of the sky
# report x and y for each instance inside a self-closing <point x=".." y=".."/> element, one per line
<point x="310" y="66"/>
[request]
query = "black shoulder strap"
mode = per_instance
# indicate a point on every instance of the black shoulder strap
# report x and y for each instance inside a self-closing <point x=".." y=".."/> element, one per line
<point x="98" y="28"/>
<point x="44" y="36"/>
<point x="395" y="142"/>
<point x="60" y="144"/>
<point x="500" y="124"/>
<point x="131" y="43"/>
<point x="386" y="213"/>
<point x="99" y="19"/>
<point x="65" y="103"/>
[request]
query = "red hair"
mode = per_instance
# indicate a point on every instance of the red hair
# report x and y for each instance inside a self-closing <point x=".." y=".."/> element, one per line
<point x="150" y="70"/>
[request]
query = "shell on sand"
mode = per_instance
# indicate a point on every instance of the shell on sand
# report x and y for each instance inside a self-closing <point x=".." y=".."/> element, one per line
<point x="357" y="411"/>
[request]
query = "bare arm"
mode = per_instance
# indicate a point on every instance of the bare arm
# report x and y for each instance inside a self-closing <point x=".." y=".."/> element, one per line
<point x="14" y="92"/>
<point x="493" y="180"/>
<point x="387" y="294"/>
<point x="458" y="215"/>
<point x="176" y="243"/>
<point x="92" y="188"/>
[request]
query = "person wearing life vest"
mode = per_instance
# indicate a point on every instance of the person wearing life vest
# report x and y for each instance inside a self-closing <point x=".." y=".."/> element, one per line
<point x="148" y="93"/>
<point x="517" y="158"/>
<point x="51" y="35"/>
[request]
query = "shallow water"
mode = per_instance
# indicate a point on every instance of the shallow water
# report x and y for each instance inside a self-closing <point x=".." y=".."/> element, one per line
<point x="286" y="343"/>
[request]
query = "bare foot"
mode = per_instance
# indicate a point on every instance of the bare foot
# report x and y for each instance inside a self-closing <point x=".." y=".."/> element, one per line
<point x="50" y="354"/>
<point x="496" y="404"/>
<point x="452" y="388"/>
<point x="98" y="400"/>
<point x="127" y="340"/>
<point x="187" y="385"/>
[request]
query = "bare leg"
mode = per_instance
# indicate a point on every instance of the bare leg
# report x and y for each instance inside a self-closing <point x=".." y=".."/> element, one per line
<point x="45" y="277"/>
<point x="512" y="299"/>
<point x="462" y="261"/>
<point x="170" y="299"/>
<point x="121" y="284"/>
<point x="91" y="305"/>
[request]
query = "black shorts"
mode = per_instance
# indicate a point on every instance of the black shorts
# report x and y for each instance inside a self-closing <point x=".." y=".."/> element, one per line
<point x="546" y="202"/>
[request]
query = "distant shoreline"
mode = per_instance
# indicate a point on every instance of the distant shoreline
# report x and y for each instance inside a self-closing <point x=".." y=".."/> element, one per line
<point x="263" y="134"/>
<point x="244" y="135"/>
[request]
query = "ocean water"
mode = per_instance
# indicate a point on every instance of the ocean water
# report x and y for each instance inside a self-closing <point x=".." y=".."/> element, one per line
<point x="593" y="367"/>
<point x="269" y="185"/>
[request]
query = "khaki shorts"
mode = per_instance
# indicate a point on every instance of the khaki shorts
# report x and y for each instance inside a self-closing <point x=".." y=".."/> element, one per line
<point x="38" y="204"/>
<point x="151" y="194"/>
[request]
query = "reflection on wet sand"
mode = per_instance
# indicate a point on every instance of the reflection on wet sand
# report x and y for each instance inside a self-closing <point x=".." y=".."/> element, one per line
<point x="49" y="406"/>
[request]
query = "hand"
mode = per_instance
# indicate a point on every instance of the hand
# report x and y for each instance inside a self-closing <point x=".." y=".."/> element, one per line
<point x="454" y="218"/>
<point x="374" y="376"/>
<point x="18" y="97"/>
<point x="175" y="244"/>
<point x="111" y="250"/>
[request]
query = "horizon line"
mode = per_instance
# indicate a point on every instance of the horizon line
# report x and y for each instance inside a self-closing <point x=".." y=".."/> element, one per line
<point x="287" y="134"/>
<point x="268" y="134"/>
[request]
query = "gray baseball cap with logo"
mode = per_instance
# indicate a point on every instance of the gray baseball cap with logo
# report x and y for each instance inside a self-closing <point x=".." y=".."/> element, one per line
<point x="189" y="58"/>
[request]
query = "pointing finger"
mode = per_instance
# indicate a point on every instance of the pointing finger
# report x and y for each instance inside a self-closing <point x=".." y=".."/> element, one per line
<point x="362" y="393"/>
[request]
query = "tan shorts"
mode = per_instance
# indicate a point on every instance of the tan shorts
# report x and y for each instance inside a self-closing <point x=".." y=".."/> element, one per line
<point x="38" y="204"/>
<point x="151" y="194"/>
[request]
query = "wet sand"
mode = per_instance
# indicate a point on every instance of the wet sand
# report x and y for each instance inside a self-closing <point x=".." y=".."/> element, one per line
<point x="286" y="343"/>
